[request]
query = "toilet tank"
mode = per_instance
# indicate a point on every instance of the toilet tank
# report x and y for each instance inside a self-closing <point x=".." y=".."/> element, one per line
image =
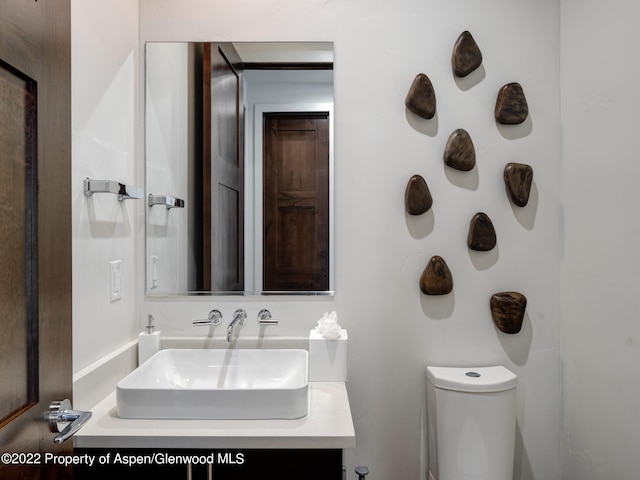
<point x="471" y="422"/>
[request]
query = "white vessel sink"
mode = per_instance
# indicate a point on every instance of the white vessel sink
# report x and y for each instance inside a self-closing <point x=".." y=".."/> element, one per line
<point x="217" y="384"/>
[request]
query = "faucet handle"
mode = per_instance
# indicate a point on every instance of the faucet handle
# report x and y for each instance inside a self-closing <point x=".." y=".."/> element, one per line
<point x="265" y="318"/>
<point x="215" y="317"/>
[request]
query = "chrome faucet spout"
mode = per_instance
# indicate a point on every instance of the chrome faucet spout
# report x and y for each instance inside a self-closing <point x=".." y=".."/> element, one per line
<point x="239" y="318"/>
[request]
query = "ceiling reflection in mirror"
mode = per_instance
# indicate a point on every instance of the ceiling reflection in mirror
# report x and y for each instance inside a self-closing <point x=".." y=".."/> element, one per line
<point x="239" y="168"/>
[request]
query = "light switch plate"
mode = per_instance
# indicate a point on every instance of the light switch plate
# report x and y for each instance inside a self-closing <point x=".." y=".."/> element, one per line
<point x="115" y="280"/>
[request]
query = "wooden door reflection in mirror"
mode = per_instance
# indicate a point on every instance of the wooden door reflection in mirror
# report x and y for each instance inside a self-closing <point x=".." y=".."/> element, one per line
<point x="222" y="170"/>
<point x="296" y="202"/>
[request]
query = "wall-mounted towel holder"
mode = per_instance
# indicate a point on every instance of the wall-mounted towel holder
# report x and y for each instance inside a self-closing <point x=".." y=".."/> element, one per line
<point x="123" y="191"/>
<point x="166" y="200"/>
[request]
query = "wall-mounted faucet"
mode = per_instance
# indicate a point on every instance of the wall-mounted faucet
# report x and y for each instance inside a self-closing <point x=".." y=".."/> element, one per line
<point x="239" y="318"/>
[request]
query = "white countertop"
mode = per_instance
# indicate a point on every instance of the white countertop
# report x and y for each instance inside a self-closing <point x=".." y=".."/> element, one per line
<point x="328" y="425"/>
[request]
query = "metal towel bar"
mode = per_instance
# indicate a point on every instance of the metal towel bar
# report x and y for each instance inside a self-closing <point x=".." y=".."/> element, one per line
<point x="124" y="192"/>
<point x="166" y="200"/>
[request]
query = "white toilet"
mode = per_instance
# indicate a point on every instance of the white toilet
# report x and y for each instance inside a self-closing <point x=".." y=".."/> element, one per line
<point x="471" y="421"/>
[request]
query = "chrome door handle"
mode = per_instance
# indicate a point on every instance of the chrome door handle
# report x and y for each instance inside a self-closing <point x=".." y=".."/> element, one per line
<point x="63" y="420"/>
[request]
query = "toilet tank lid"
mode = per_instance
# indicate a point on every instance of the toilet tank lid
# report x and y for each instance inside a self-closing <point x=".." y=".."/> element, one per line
<point x="473" y="379"/>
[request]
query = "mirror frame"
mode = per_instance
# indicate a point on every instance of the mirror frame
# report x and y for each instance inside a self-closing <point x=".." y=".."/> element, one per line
<point x="253" y="180"/>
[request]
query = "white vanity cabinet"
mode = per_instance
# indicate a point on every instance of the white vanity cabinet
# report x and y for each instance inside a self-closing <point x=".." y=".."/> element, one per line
<point x="304" y="448"/>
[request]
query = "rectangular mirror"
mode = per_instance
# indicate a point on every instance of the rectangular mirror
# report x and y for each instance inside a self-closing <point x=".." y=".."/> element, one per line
<point x="239" y="168"/>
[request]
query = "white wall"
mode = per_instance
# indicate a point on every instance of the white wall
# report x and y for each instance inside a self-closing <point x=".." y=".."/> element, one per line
<point x="394" y="330"/>
<point x="601" y="263"/>
<point x="104" y="66"/>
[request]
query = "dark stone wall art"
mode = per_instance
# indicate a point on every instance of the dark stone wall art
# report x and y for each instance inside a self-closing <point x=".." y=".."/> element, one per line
<point x="482" y="235"/>
<point x="507" y="310"/>
<point x="466" y="56"/>
<point x="421" y="98"/>
<point x="518" y="178"/>
<point x="436" y="278"/>
<point x="511" y="105"/>
<point x="459" y="152"/>
<point x="417" y="197"/>
<point x="511" y="108"/>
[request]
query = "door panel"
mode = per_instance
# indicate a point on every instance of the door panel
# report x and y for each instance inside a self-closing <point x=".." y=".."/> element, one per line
<point x="223" y="170"/>
<point x="18" y="291"/>
<point x="296" y="202"/>
<point x="35" y="231"/>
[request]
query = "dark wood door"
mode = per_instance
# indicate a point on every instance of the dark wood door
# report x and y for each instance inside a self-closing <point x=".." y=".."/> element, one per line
<point x="296" y="202"/>
<point x="223" y="170"/>
<point x="35" y="231"/>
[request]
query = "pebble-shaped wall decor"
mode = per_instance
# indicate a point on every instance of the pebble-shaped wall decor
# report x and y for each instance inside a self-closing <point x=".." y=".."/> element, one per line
<point x="518" y="178"/>
<point x="417" y="197"/>
<point x="466" y="56"/>
<point x="436" y="278"/>
<point x="421" y="98"/>
<point x="460" y="152"/>
<point x="507" y="310"/>
<point x="482" y="235"/>
<point x="511" y="105"/>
